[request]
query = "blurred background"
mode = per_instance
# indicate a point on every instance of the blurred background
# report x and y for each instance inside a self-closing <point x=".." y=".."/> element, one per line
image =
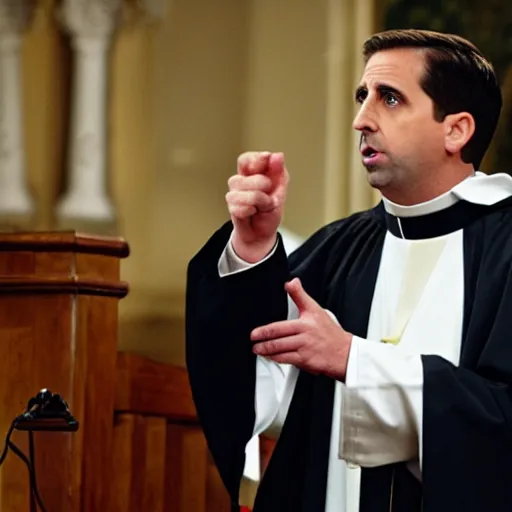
<point x="127" y="117"/>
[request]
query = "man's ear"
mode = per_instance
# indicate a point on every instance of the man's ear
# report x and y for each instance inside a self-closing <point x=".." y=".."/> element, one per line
<point x="458" y="129"/>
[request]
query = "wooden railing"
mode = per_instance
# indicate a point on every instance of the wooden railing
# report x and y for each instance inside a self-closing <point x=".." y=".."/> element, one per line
<point x="160" y="459"/>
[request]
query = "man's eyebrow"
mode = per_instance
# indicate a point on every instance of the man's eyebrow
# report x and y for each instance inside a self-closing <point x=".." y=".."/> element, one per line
<point x="382" y="89"/>
<point x="388" y="89"/>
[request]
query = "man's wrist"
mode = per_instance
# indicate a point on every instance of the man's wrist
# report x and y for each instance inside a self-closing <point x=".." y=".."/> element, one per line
<point x="338" y="369"/>
<point x="252" y="252"/>
<point x="346" y="355"/>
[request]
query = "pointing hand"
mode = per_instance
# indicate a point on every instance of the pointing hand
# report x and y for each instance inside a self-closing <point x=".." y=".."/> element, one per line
<point x="314" y="342"/>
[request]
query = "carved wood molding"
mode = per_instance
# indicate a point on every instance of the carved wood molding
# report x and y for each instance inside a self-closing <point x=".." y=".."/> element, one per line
<point x="19" y="285"/>
<point x="64" y="242"/>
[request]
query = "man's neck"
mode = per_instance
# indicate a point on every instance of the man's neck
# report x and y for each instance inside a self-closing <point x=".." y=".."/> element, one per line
<point x="424" y="192"/>
<point x="438" y="203"/>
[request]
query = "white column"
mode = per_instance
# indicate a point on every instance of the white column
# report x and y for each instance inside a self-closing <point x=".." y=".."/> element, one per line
<point x="15" y="199"/>
<point x="91" y="24"/>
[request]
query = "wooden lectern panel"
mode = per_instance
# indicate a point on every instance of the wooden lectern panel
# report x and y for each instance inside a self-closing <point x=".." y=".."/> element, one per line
<point x="58" y="330"/>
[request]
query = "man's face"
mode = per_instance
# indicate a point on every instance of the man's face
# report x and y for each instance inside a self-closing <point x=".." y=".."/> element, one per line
<point x="401" y="142"/>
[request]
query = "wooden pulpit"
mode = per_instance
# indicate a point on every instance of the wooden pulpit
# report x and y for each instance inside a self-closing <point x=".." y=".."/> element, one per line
<point x="59" y="295"/>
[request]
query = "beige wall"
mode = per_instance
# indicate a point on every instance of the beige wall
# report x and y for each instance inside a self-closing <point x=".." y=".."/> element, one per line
<point x="187" y="91"/>
<point x="187" y="95"/>
<point x="286" y="100"/>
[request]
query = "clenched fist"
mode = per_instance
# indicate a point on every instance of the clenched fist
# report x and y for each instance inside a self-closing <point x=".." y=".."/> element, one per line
<point x="255" y="201"/>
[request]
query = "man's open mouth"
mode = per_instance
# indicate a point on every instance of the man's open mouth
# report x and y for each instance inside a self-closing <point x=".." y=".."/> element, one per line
<point x="368" y="152"/>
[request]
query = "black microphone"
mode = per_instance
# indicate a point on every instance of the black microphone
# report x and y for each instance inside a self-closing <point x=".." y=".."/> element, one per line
<point x="47" y="412"/>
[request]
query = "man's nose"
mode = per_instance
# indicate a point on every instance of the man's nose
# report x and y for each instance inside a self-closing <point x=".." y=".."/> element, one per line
<point x="365" y="120"/>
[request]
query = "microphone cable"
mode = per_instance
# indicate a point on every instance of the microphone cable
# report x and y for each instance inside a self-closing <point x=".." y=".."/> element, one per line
<point x="35" y="497"/>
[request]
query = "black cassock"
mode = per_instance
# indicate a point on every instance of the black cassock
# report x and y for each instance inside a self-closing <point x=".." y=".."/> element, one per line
<point x="467" y="409"/>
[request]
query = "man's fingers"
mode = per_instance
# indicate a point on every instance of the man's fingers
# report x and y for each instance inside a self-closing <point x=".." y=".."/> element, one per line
<point x="261" y="201"/>
<point x="279" y="176"/>
<point x="254" y="182"/>
<point x="278" y="346"/>
<point x="281" y="188"/>
<point x="277" y="330"/>
<point x="269" y="165"/>
<point x="241" y="211"/>
<point x="275" y="163"/>
<point x="253" y="162"/>
<point x="276" y="169"/>
<point x="297" y="293"/>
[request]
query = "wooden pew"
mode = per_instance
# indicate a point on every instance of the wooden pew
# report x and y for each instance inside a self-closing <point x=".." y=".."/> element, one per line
<point x="160" y="461"/>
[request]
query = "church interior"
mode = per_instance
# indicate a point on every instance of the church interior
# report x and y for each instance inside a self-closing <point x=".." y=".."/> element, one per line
<point x="120" y="123"/>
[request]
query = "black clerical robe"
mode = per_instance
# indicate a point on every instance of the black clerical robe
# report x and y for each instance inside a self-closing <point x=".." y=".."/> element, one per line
<point x="467" y="409"/>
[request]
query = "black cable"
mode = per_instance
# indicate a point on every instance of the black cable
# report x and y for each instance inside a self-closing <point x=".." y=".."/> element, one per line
<point x="31" y="473"/>
<point x="8" y="438"/>
<point x="32" y="459"/>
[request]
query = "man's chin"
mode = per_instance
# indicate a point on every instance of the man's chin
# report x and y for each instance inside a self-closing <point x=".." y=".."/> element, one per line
<point x="377" y="177"/>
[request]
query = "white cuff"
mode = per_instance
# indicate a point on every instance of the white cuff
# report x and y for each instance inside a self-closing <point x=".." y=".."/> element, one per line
<point x="231" y="263"/>
<point x="382" y="403"/>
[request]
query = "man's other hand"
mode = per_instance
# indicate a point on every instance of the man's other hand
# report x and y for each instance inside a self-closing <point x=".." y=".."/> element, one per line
<point x="314" y="342"/>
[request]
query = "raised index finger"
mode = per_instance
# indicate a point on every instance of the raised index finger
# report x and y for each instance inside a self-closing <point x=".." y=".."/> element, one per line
<point x="253" y="162"/>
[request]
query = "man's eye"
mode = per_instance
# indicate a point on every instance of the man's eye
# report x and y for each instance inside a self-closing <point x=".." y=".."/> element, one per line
<point x="361" y="97"/>
<point x="391" y="100"/>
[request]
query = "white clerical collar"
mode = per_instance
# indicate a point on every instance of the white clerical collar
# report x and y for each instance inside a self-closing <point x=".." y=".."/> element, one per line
<point x="478" y="188"/>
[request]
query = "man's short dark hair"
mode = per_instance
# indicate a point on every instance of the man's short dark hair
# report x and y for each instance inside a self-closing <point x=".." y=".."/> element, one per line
<point x="458" y="78"/>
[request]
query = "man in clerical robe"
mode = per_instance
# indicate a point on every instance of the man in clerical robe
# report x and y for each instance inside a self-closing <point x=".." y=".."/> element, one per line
<point x="380" y="352"/>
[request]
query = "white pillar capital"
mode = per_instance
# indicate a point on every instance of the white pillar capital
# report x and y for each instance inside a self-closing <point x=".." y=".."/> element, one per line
<point x="90" y="19"/>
